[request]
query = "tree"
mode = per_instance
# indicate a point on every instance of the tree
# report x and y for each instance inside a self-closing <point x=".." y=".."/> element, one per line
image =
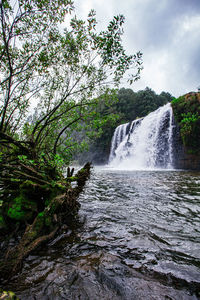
<point x="65" y="71"/>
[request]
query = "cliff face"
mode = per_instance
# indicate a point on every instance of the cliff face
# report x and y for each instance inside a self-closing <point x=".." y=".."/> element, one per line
<point x="183" y="159"/>
<point x="189" y="162"/>
<point x="186" y="111"/>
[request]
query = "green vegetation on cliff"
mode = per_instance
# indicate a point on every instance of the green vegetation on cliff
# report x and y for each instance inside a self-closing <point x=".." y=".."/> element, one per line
<point x="187" y="114"/>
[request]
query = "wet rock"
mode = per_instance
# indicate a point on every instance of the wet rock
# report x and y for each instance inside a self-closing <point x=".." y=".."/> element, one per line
<point x="96" y="276"/>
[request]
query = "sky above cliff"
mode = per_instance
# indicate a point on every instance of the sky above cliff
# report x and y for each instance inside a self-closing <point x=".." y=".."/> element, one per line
<point x="167" y="32"/>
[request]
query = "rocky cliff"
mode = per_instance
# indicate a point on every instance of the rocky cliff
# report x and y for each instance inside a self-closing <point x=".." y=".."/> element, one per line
<point x="186" y="111"/>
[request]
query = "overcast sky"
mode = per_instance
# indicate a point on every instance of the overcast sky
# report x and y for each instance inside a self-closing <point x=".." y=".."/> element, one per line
<point x="167" y="32"/>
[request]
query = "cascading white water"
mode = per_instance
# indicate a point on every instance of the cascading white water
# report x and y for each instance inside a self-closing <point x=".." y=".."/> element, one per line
<point x="147" y="144"/>
<point x="119" y="135"/>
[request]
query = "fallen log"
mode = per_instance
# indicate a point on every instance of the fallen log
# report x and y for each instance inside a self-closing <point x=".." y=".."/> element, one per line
<point x="60" y="209"/>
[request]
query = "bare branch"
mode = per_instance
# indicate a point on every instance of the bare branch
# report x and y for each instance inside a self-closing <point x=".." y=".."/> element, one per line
<point x="62" y="131"/>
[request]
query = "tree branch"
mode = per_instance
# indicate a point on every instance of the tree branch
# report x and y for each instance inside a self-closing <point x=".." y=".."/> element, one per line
<point x="62" y="131"/>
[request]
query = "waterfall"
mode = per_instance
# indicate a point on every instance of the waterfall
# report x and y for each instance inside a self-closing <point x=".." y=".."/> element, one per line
<point x="146" y="143"/>
<point x="119" y="135"/>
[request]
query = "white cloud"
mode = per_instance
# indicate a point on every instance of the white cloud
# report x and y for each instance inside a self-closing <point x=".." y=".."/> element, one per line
<point x="168" y="34"/>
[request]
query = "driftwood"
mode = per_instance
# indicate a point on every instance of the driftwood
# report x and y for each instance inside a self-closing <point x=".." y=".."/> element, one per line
<point x="49" y="218"/>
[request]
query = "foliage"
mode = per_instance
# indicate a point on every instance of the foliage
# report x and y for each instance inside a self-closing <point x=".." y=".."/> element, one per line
<point x="67" y="72"/>
<point x="64" y="70"/>
<point x="187" y="113"/>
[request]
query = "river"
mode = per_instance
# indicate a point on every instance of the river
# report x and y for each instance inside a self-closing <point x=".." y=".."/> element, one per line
<point x="139" y="238"/>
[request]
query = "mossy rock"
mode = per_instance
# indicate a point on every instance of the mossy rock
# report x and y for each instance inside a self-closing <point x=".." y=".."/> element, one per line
<point x="8" y="295"/>
<point x="22" y="209"/>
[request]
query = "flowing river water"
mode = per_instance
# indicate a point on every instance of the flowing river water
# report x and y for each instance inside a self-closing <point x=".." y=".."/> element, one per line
<point x="139" y="238"/>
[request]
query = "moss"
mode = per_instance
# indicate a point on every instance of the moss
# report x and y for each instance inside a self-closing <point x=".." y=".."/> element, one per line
<point x="61" y="187"/>
<point x="41" y="214"/>
<point x="53" y="207"/>
<point x="73" y="178"/>
<point x="48" y="221"/>
<point x="15" y="211"/>
<point x="81" y="170"/>
<point x="38" y="226"/>
<point x="27" y="183"/>
<point x="21" y="208"/>
<point x="2" y="222"/>
<point x="41" y="194"/>
<point x="58" y="189"/>
<point x="15" y="180"/>
<point x="8" y="295"/>
<point x="29" y="189"/>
